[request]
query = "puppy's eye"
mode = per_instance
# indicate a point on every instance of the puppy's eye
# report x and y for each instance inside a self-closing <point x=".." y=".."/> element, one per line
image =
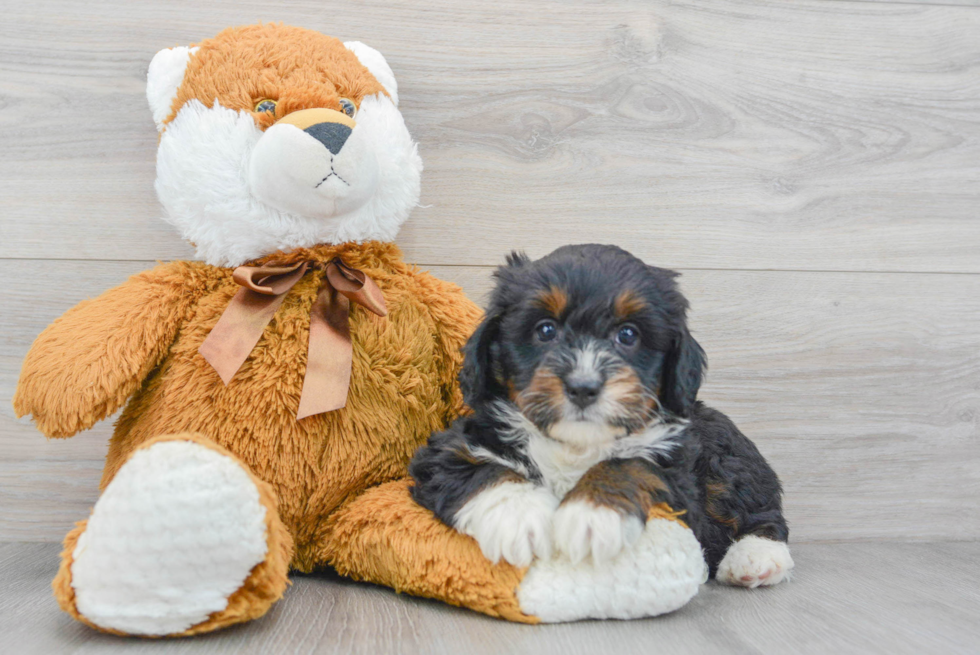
<point x="628" y="335"/>
<point x="546" y="330"/>
<point x="348" y="107"/>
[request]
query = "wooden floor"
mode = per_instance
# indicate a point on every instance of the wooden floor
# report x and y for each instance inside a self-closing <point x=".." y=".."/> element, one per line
<point x="811" y="167"/>
<point x="857" y="598"/>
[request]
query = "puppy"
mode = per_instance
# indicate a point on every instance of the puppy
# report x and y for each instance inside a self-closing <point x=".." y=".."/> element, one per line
<point x="582" y="380"/>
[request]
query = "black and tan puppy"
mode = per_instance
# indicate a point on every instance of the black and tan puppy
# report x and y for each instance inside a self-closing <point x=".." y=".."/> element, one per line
<point x="583" y="379"/>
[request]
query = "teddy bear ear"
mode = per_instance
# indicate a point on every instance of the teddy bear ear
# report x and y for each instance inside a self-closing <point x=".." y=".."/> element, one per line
<point x="163" y="78"/>
<point x="375" y="62"/>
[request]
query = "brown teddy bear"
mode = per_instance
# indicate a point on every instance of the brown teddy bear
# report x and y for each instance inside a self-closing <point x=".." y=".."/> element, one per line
<point x="278" y="388"/>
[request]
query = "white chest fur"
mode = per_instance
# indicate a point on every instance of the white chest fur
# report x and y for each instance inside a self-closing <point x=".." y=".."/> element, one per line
<point x="562" y="464"/>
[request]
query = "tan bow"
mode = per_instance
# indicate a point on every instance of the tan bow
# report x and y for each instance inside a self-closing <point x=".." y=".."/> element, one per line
<point x="329" y="354"/>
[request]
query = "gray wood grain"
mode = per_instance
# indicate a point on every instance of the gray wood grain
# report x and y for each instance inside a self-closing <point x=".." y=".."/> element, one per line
<point x="862" y="389"/>
<point x="845" y="598"/>
<point x="937" y="3"/>
<point x="758" y="145"/>
<point x="725" y="134"/>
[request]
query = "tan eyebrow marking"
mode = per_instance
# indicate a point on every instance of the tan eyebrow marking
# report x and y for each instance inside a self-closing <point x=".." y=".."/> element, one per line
<point x="628" y="303"/>
<point x="554" y="300"/>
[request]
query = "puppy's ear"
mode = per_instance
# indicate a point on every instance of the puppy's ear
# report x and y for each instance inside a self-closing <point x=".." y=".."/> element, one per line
<point x="481" y="378"/>
<point x="478" y="377"/>
<point x="517" y="259"/>
<point x="683" y="371"/>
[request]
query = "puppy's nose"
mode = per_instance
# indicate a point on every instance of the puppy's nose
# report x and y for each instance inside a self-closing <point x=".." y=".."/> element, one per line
<point x="331" y="135"/>
<point x="583" y="393"/>
<point x="330" y="127"/>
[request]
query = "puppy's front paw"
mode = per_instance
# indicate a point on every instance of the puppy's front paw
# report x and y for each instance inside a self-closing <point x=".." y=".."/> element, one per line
<point x="510" y="521"/>
<point x="583" y="529"/>
<point x="755" y="561"/>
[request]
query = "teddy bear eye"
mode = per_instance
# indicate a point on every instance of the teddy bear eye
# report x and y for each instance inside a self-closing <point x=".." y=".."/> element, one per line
<point x="348" y="106"/>
<point x="266" y="105"/>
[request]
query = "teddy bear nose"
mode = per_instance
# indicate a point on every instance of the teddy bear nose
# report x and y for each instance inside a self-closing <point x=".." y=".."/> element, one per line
<point x="332" y="135"/>
<point x="330" y="127"/>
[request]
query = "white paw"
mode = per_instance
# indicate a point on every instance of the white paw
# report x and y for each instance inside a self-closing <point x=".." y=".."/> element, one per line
<point x="510" y="521"/>
<point x="659" y="573"/>
<point x="754" y="561"/>
<point x="175" y="533"/>
<point x="583" y="529"/>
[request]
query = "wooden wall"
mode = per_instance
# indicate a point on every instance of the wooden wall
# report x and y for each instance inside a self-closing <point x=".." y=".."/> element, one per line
<point x="812" y="168"/>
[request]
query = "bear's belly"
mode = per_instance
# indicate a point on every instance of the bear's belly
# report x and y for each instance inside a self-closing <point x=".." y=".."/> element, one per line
<point x="396" y="399"/>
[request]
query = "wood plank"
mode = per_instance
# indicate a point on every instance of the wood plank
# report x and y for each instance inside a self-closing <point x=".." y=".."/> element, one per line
<point x="733" y="134"/>
<point x="937" y="3"/>
<point x="856" y="598"/>
<point x="862" y="389"/>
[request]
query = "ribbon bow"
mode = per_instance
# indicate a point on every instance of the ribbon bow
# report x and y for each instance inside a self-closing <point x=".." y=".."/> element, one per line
<point x="329" y="354"/>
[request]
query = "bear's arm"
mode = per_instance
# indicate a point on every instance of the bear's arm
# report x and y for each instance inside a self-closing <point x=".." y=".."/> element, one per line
<point x="85" y="365"/>
<point x="456" y="317"/>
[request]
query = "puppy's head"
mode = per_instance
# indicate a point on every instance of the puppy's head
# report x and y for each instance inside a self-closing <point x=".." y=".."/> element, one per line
<point x="589" y="343"/>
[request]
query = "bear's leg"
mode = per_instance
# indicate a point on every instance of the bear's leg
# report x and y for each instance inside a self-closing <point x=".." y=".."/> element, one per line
<point x="382" y="536"/>
<point x="183" y="540"/>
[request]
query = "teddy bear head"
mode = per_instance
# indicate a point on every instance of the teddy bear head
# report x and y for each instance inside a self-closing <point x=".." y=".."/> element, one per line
<point x="274" y="138"/>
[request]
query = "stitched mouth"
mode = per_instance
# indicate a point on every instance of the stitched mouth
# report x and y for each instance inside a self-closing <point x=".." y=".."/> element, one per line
<point x="332" y="173"/>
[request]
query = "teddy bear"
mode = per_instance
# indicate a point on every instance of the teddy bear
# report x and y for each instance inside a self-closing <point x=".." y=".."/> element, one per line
<point x="274" y="390"/>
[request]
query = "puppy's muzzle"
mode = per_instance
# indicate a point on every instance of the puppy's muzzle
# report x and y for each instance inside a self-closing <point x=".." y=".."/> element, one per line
<point x="331" y="128"/>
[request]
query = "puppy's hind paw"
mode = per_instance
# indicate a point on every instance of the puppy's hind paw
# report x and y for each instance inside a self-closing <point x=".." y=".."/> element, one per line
<point x="755" y="562"/>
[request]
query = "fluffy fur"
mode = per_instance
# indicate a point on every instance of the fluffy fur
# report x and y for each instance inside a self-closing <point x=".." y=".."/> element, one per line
<point x="583" y="380"/>
<point x="583" y="528"/>
<point x="755" y="561"/>
<point x="141" y="340"/>
<point x="375" y="62"/>
<point x="133" y="605"/>
<point x="659" y="573"/>
<point x="210" y="197"/>
<point x="332" y="486"/>
<point x="143" y="566"/>
<point x="511" y="520"/>
<point x="163" y="78"/>
<point x="217" y="155"/>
